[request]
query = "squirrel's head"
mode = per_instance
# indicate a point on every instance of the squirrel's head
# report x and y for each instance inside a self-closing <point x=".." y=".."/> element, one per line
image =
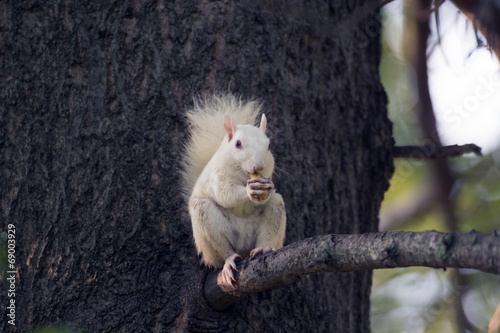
<point x="249" y="146"/>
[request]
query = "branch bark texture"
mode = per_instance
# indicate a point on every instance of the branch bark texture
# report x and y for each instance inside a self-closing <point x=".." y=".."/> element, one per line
<point x="345" y="253"/>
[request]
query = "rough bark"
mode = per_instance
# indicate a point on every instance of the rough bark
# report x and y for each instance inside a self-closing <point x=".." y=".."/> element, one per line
<point x="91" y="133"/>
<point x="345" y="253"/>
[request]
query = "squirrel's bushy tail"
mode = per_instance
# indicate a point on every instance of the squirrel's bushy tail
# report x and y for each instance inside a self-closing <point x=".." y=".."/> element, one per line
<point x="206" y="131"/>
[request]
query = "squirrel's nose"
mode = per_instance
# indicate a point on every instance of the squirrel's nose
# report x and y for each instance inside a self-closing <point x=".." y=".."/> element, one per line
<point x="258" y="168"/>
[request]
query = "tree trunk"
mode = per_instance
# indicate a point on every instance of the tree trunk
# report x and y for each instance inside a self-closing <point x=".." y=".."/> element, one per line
<point x="91" y="135"/>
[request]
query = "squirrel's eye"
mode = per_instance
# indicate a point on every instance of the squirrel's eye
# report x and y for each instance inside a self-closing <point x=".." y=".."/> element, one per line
<point x="238" y="144"/>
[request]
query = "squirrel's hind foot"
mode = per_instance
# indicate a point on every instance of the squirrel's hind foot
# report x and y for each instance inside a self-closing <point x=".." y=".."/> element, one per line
<point x="260" y="250"/>
<point x="227" y="274"/>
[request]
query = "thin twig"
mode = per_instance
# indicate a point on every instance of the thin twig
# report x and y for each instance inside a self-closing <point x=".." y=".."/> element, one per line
<point x="434" y="151"/>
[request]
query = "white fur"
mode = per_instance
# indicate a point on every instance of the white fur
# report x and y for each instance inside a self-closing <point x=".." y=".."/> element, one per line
<point x="206" y="132"/>
<point x="228" y="220"/>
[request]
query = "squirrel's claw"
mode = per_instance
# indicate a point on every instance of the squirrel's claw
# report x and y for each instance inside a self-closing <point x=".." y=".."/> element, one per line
<point x="256" y="187"/>
<point x="227" y="274"/>
<point x="260" y="250"/>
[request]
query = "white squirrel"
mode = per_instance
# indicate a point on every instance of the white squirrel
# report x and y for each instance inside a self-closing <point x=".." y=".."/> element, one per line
<point x="232" y="216"/>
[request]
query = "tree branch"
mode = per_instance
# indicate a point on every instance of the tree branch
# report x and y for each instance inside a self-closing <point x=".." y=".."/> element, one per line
<point x="434" y="151"/>
<point x="441" y="170"/>
<point x="345" y="253"/>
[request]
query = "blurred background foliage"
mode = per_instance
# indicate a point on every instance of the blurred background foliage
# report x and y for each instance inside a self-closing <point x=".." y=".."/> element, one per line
<point x="420" y="299"/>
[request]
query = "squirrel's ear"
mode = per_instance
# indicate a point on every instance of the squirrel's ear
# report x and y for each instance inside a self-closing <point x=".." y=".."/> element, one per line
<point x="229" y="126"/>
<point x="263" y="123"/>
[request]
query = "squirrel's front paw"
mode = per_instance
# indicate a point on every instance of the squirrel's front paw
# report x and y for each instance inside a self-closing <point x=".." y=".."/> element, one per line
<point x="227" y="274"/>
<point x="259" y="189"/>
